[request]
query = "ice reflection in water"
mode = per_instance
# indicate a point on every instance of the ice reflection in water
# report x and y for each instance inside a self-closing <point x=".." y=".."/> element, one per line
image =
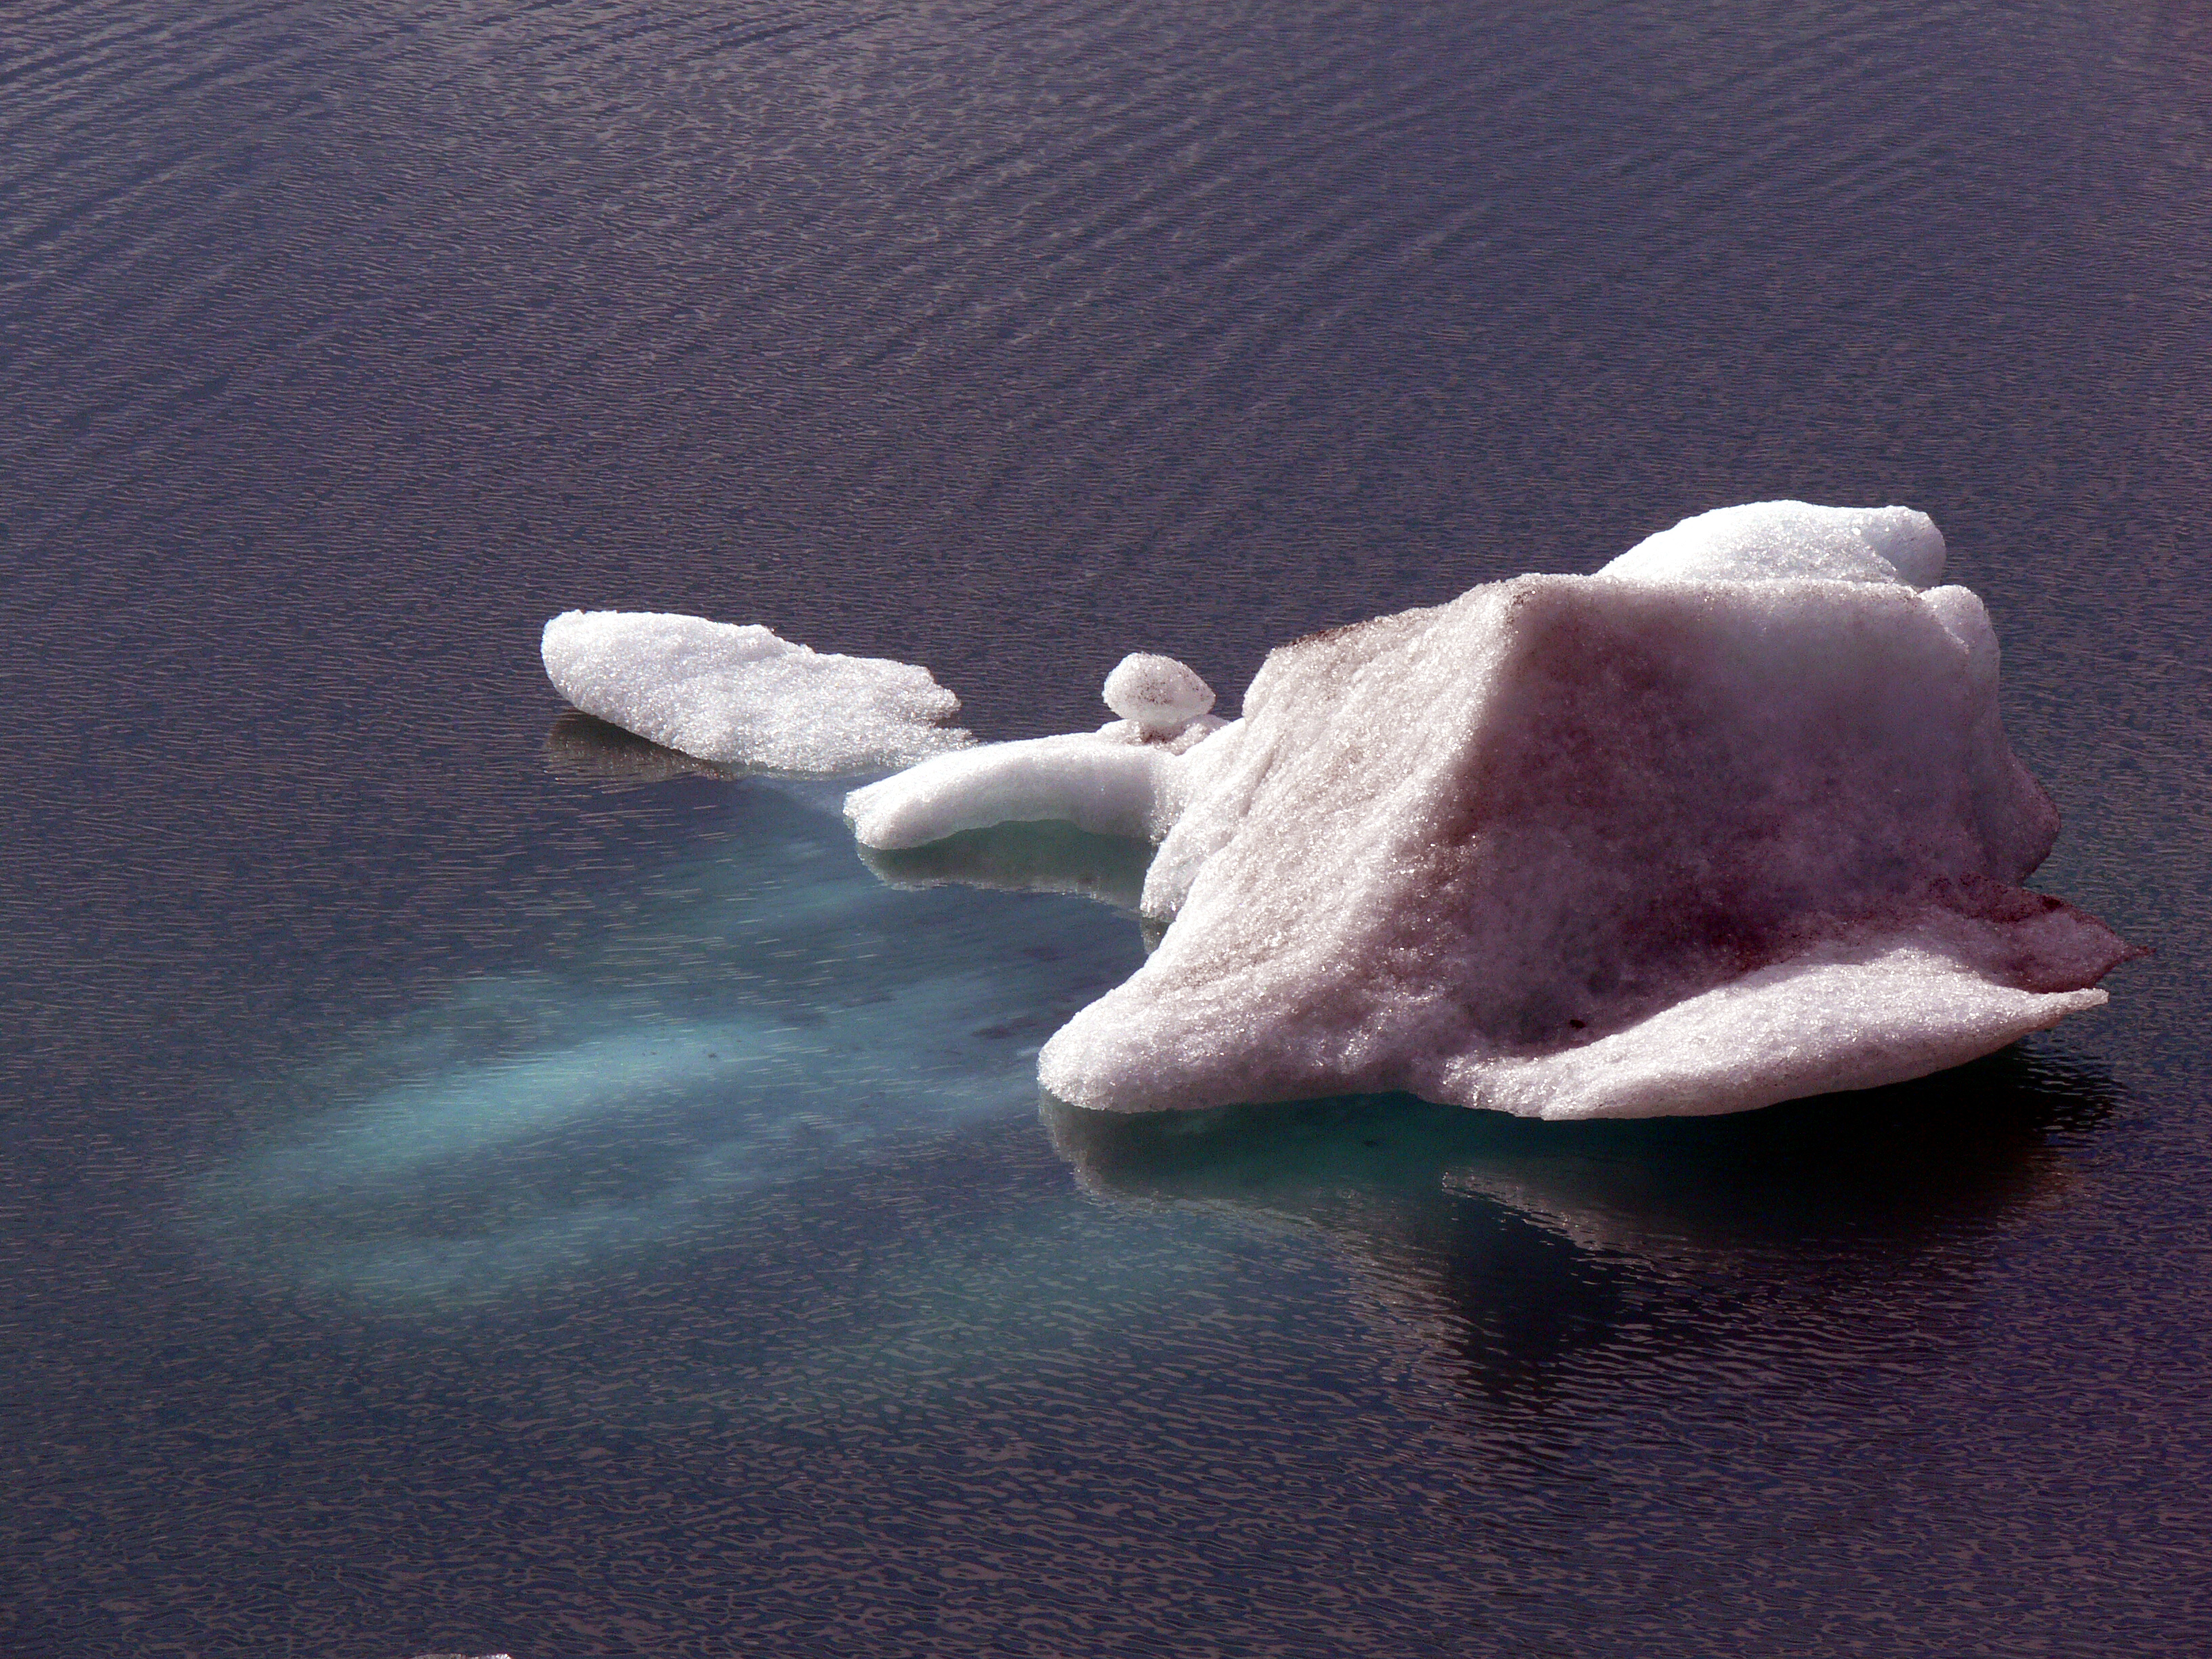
<point x="1023" y="858"/>
<point x="1522" y="1253"/>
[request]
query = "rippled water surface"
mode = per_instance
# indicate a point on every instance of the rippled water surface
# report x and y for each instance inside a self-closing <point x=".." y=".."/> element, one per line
<point x="470" y="1183"/>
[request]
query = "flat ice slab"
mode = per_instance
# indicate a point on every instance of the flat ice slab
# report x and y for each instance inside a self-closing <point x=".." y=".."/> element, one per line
<point x="738" y="696"/>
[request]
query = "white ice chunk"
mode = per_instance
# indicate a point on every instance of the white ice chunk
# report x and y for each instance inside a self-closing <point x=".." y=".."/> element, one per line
<point x="1157" y="695"/>
<point x="1128" y="778"/>
<point x="1762" y="540"/>
<point x="1577" y="846"/>
<point x="737" y="694"/>
<point x="1096" y="780"/>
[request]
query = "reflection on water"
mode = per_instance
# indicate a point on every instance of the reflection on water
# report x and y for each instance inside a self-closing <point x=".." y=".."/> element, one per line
<point x="1521" y="1249"/>
<point x="1023" y="858"/>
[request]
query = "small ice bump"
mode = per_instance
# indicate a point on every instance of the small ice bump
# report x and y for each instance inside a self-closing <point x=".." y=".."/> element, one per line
<point x="1767" y="541"/>
<point x="1157" y="695"/>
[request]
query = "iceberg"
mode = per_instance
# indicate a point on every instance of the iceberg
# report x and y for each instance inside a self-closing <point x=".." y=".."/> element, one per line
<point x="738" y="696"/>
<point x="1731" y="822"/>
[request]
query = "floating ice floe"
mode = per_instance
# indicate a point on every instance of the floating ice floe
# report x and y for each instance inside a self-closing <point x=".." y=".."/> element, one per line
<point x="1731" y="822"/>
<point x="738" y="696"/>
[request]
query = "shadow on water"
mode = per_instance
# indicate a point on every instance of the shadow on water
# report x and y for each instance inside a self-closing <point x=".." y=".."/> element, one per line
<point x="1522" y="1252"/>
<point x="580" y="749"/>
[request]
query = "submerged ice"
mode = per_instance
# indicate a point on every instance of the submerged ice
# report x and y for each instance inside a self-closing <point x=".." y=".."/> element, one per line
<point x="1731" y="822"/>
<point x="749" y="1023"/>
<point x="737" y="695"/>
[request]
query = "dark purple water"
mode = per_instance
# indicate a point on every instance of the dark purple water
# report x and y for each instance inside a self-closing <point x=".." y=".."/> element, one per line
<point x="461" y="1189"/>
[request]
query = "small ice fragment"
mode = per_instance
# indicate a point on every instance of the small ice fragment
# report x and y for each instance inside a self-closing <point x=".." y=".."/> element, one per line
<point x="1089" y="779"/>
<point x="1130" y="778"/>
<point x="1157" y="695"/>
<point x="738" y="696"/>
<point x="1766" y="540"/>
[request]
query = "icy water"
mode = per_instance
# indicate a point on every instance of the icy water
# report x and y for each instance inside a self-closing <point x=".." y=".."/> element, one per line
<point x="469" y="1182"/>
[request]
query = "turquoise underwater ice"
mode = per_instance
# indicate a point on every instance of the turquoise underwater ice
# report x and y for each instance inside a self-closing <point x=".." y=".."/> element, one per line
<point x="783" y="1013"/>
